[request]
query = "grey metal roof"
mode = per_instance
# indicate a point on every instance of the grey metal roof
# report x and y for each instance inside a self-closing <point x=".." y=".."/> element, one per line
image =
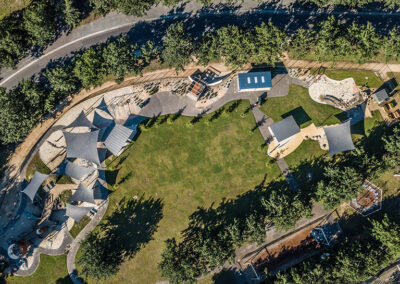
<point x="77" y="212"/>
<point x="100" y="121"/>
<point x="339" y="138"/>
<point x="380" y="96"/>
<point x="73" y="170"/>
<point x="80" y="121"/>
<point x="34" y="185"/>
<point x="83" y="145"/>
<point x="285" y="128"/>
<point x="83" y="194"/>
<point x="117" y="138"/>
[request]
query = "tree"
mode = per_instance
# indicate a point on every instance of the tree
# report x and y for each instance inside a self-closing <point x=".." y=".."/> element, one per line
<point x="13" y="43"/>
<point x="61" y="79"/>
<point x="365" y="42"/>
<point x="338" y="184"/>
<point x="392" y="45"/>
<point x="71" y="15"/>
<point x="119" y="58"/>
<point x="102" y="7"/>
<point x="237" y="46"/>
<point x="39" y="23"/>
<point x="392" y="142"/>
<point x="87" y="69"/>
<point x="178" y="47"/>
<point x="148" y="52"/>
<point x="270" y="42"/>
<point x="302" y="42"/>
<point x="97" y="259"/>
<point x="387" y="232"/>
<point x="208" y="49"/>
<point x="285" y="207"/>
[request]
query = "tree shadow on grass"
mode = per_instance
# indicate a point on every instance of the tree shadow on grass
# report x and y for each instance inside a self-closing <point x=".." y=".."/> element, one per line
<point x="130" y="227"/>
<point x="64" y="280"/>
<point x="299" y="115"/>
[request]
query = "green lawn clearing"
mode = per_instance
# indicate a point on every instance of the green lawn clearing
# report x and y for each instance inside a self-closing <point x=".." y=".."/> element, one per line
<point x="364" y="127"/>
<point x="299" y="103"/>
<point x="36" y="164"/>
<point x="308" y="150"/>
<point x="52" y="269"/>
<point x="186" y="167"/>
<point x="360" y="77"/>
<point x="9" y="6"/>
<point x="75" y="230"/>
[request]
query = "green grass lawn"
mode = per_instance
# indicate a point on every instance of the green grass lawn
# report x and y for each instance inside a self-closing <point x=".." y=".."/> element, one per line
<point x="9" y="6"/>
<point x="364" y="127"/>
<point x="75" y="230"/>
<point x="52" y="269"/>
<point x="299" y="103"/>
<point x="308" y="150"/>
<point x="187" y="168"/>
<point x="358" y="76"/>
<point x="36" y="164"/>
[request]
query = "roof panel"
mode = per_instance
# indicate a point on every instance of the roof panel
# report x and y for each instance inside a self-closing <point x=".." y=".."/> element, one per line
<point x="116" y="140"/>
<point x="339" y="138"/>
<point x="80" y="121"/>
<point x="83" y="145"/>
<point x="285" y="128"/>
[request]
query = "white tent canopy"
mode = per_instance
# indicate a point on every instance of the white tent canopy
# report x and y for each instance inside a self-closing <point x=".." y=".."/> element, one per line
<point x="74" y="171"/>
<point x="77" y="212"/>
<point x="339" y="138"/>
<point x="34" y="185"/>
<point x="83" y="145"/>
<point x="83" y="194"/>
<point x="80" y="121"/>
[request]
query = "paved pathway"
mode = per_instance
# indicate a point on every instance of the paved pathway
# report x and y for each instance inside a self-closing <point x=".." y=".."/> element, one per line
<point x="152" y="26"/>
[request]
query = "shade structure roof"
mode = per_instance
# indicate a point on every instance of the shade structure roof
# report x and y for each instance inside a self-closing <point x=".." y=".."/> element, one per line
<point x="380" y="96"/>
<point x="339" y="138"/>
<point x="100" y="121"/>
<point x="80" y="121"/>
<point x="117" y="138"/>
<point x="34" y="185"/>
<point x="285" y="128"/>
<point x="254" y="80"/>
<point x="73" y="170"/>
<point x="83" y="145"/>
<point x="83" y="194"/>
<point x="77" y="212"/>
<point x="103" y="106"/>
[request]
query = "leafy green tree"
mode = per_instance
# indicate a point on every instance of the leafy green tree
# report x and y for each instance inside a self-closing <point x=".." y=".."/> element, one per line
<point x="365" y="42"/>
<point x="302" y="42"/>
<point x="97" y="258"/>
<point x="102" y="7"/>
<point x="208" y="49"/>
<point x="135" y="7"/>
<point x="39" y="23"/>
<point x="88" y="67"/>
<point x="13" y="42"/>
<point x="270" y="42"/>
<point x="387" y="232"/>
<point x="148" y="52"/>
<point x="71" y="15"/>
<point x="61" y="79"/>
<point x="285" y="207"/>
<point x="338" y="184"/>
<point x="392" y="142"/>
<point x="392" y="45"/>
<point x="178" y="47"/>
<point x="119" y="58"/>
<point x="237" y="46"/>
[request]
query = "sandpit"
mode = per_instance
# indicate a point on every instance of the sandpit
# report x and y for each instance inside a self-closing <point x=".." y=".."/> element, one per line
<point x="340" y="94"/>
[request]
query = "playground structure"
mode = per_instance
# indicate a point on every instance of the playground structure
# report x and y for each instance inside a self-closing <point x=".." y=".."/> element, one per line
<point x="369" y="201"/>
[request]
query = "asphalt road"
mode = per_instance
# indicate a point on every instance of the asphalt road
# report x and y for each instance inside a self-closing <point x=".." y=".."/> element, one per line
<point x="154" y="24"/>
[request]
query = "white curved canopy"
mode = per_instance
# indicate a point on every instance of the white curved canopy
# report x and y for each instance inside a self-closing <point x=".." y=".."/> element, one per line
<point x="73" y="170"/>
<point x="34" y="185"/>
<point x="77" y="212"/>
<point x="80" y="121"/>
<point x="83" y="194"/>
